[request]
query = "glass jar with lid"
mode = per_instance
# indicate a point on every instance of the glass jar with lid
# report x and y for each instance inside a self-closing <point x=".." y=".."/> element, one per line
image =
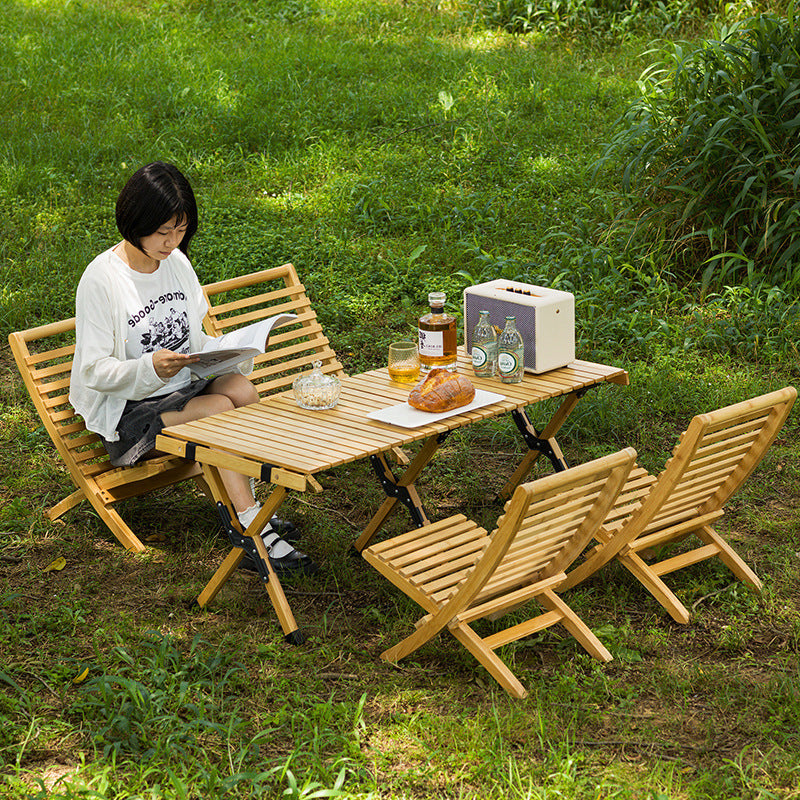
<point x="315" y="390"/>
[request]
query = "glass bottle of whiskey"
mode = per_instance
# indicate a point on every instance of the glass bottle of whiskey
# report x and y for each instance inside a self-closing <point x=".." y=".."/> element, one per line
<point x="437" y="336"/>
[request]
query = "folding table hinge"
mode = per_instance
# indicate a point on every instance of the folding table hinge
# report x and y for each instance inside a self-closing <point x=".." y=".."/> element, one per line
<point x="240" y="540"/>
<point x="535" y="442"/>
<point x="401" y="493"/>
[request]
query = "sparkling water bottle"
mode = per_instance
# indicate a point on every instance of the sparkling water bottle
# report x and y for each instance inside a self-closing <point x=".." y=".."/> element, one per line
<point x="484" y="348"/>
<point x="511" y="356"/>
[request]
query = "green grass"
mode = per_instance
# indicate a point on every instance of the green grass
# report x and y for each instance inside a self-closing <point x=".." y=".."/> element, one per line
<point x="387" y="149"/>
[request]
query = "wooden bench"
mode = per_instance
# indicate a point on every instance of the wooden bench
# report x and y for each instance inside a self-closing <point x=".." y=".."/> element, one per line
<point x="44" y="359"/>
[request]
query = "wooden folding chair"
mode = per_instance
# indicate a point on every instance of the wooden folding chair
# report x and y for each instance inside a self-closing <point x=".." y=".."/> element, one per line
<point x="459" y="573"/>
<point x="714" y="456"/>
<point x="294" y="347"/>
<point x="44" y="358"/>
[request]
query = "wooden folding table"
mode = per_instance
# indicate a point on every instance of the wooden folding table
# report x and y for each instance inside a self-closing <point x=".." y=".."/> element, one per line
<point x="280" y="443"/>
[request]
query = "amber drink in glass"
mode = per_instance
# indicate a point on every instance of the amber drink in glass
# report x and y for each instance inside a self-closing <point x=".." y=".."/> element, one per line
<point x="404" y="362"/>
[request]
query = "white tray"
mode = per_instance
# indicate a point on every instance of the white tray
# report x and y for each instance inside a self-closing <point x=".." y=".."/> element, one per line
<point x="405" y="416"/>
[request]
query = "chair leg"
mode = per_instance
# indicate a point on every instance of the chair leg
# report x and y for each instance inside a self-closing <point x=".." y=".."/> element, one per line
<point x="597" y="558"/>
<point x="426" y="629"/>
<point x="731" y="558"/>
<point x="126" y="537"/>
<point x="575" y="625"/>
<point x="489" y="660"/>
<point x="61" y="508"/>
<point x="642" y="572"/>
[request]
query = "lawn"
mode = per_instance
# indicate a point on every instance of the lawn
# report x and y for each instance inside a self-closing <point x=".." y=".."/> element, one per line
<point x="387" y="149"/>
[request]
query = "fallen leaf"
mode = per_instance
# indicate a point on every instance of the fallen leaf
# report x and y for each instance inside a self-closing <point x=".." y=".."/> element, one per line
<point x="81" y="677"/>
<point x="57" y="565"/>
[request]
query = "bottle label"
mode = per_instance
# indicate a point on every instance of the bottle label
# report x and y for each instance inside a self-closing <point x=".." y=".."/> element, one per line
<point x="431" y="343"/>
<point x="479" y="356"/>
<point x="507" y="363"/>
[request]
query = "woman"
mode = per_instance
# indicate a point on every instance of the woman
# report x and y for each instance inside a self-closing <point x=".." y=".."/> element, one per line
<point x="139" y="310"/>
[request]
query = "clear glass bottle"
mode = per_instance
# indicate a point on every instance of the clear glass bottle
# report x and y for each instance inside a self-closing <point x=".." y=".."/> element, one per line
<point x="484" y="348"/>
<point x="437" y="337"/>
<point x="511" y="353"/>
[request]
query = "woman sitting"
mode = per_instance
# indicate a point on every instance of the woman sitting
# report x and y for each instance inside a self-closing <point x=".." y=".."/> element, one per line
<point x="139" y="311"/>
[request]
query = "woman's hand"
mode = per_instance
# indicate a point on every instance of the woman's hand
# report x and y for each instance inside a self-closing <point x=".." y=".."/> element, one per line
<point x="167" y="363"/>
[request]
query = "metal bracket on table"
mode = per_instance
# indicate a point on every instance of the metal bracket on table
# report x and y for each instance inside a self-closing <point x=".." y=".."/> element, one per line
<point x="401" y="493"/>
<point x="240" y="540"/>
<point x="535" y="442"/>
<point x="190" y="452"/>
<point x="266" y="473"/>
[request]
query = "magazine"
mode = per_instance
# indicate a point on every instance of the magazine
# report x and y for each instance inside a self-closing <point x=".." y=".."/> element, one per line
<point x="224" y="352"/>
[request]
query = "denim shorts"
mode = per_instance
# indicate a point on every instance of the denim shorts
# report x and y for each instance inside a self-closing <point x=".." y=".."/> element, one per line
<point x="140" y="423"/>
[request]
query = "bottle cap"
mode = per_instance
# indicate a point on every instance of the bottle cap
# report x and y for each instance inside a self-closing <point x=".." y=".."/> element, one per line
<point x="436" y="299"/>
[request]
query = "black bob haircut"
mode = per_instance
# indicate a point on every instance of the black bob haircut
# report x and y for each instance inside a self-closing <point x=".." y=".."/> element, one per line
<point x="152" y="196"/>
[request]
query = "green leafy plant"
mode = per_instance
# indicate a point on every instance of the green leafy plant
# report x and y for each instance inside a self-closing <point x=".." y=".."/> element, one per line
<point x="164" y="712"/>
<point x="713" y="152"/>
<point x="609" y="19"/>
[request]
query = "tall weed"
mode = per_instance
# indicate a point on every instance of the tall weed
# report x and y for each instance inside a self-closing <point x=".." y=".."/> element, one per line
<point x="712" y="153"/>
<point x="594" y="19"/>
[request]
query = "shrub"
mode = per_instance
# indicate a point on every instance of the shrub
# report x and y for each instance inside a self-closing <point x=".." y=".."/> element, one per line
<point x="712" y="149"/>
<point x="610" y="19"/>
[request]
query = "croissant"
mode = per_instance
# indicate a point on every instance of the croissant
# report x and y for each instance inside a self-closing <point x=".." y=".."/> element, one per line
<point x="441" y="390"/>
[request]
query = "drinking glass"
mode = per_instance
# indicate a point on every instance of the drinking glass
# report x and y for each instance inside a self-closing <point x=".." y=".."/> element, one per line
<point x="404" y="362"/>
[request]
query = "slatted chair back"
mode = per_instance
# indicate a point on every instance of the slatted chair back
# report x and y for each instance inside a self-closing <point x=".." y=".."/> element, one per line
<point x="293" y="348"/>
<point x="713" y="458"/>
<point x="44" y="359"/>
<point x="459" y="573"/>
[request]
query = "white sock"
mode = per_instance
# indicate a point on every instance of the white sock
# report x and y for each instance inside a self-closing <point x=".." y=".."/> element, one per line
<point x="248" y="515"/>
<point x="276" y="546"/>
<point x="270" y="538"/>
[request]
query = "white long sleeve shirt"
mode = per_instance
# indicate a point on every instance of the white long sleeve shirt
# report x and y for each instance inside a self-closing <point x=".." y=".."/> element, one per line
<point x="103" y="376"/>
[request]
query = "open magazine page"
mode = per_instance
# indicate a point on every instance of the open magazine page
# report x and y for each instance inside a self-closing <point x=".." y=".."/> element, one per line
<point x="224" y="352"/>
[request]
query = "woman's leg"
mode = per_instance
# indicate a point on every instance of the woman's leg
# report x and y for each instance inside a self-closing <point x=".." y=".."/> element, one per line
<point x="222" y="394"/>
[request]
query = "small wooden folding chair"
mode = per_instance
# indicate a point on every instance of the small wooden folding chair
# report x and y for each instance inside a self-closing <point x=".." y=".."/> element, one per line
<point x="714" y="456"/>
<point x="459" y="573"/>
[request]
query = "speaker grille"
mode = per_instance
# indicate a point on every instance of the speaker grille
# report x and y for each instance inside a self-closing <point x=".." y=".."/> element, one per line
<point x="498" y="310"/>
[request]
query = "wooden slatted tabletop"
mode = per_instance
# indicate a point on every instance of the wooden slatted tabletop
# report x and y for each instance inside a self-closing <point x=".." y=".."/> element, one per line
<point x="276" y="431"/>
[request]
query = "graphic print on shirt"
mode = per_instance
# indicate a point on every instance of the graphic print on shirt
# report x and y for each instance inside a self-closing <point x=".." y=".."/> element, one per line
<point x="161" y="323"/>
<point x="170" y="333"/>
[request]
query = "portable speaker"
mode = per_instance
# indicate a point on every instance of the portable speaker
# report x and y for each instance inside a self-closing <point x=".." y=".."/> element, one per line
<point x="545" y="318"/>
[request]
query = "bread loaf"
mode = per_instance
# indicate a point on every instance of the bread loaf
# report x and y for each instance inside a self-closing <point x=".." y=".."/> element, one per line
<point x="441" y="390"/>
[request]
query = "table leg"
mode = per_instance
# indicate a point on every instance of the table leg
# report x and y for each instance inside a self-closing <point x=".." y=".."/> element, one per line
<point x="543" y="443"/>
<point x="273" y="586"/>
<point x="400" y="489"/>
